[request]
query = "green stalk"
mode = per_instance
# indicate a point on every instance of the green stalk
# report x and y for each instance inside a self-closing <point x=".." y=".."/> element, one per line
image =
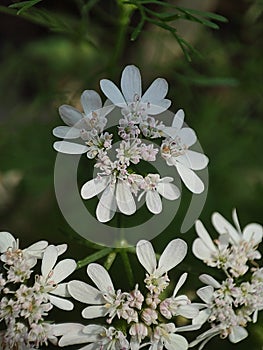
<point x="94" y="257"/>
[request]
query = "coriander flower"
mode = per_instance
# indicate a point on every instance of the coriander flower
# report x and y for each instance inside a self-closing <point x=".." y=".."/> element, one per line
<point x="178" y="305"/>
<point x="249" y="238"/>
<point x="130" y="98"/>
<point x="164" y="337"/>
<point x="221" y="311"/>
<point x="116" y="193"/>
<point x="9" y="247"/>
<point x="153" y="186"/>
<point x="104" y="300"/>
<point x="175" y="150"/>
<point x="156" y="277"/>
<point x="213" y="254"/>
<point x="97" y="336"/>
<point x="48" y="282"/>
<point x="233" y="249"/>
<point x="79" y="124"/>
<point x="25" y="299"/>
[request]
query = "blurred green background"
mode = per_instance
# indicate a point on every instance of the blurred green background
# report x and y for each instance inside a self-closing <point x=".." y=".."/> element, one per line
<point x="220" y="90"/>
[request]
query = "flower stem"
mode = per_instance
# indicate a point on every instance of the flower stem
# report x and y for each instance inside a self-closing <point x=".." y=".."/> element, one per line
<point x="94" y="257"/>
<point x="127" y="266"/>
<point x="124" y="19"/>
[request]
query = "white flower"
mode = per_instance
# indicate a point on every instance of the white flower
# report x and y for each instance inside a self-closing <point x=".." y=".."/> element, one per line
<point x="51" y="276"/>
<point x="175" y="150"/>
<point x="10" y="246"/>
<point x="252" y="233"/>
<point x="178" y="305"/>
<point x="130" y="97"/>
<point x="219" y="310"/>
<point x="233" y="249"/>
<point x="116" y="193"/>
<point x="154" y="186"/>
<point x="104" y="300"/>
<point x="79" y="123"/>
<point x="98" y="337"/>
<point x="205" y="249"/>
<point x="164" y="337"/>
<point x="156" y="277"/>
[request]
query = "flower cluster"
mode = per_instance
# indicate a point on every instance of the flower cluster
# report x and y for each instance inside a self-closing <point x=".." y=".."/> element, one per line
<point x="232" y="303"/>
<point x="118" y="177"/>
<point x="25" y="300"/>
<point x="133" y="319"/>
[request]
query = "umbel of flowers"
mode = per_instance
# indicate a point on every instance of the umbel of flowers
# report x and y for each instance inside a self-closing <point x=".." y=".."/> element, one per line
<point x="26" y="297"/>
<point x="233" y="302"/>
<point x="139" y="130"/>
<point x="136" y="319"/>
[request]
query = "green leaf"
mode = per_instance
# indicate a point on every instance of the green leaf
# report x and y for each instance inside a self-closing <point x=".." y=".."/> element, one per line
<point x="137" y="30"/>
<point x="206" y="14"/>
<point x="24" y="5"/>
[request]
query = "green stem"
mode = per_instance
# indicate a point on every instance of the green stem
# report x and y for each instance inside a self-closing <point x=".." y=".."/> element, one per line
<point x="110" y="260"/>
<point x="94" y="257"/>
<point x="127" y="266"/>
<point x="124" y="20"/>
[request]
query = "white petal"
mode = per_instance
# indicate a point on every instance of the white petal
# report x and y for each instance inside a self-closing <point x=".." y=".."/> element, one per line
<point x="69" y="147"/>
<point x="111" y="91"/>
<point x="188" y="136"/>
<point x="102" y="112"/>
<point x="188" y="311"/>
<point x="204" y="235"/>
<point x="168" y="190"/>
<point x="66" y="132"/>
<point x="74" y="338"/>
<point x="94" y="187"/>
<point x="180" y="283"/>
<point x="235" y="219"/>
<point x="100" y="277"/>
<point x="237" y="334"/>
<point x="84" y="293"/>
<point x="253" y="231"/>
<point x="158" y="107"/>
<point x="223" y="226"/>
<point x="6" y="241"/>
<point x="202" y="317"/>
<point x="200" y="250"/>
<point x="49" y="260"/>
<point x="156" y="91"/>
<point x="61" y="248"/>
<point x="64" y="328"/>
<point x="175" y="342"/>
<point x="61" y="303"/>
<point x="93" y="329"/>
<point x="69" y="115"/>
<point x="90" y="101"/>
<point x="190" y="179"/>
<point x="146" y="255"/>
<point x="36" y="249"/>
<point x="61" y="290"/>
<point x="172" y="255"/>
<point x="63" y="269"/>
<point x="131" y="83"/>
<point x="94" y="311"/>
<point x="124" y="197"/>
<point x="107" y="205"/>
<point x="206" y="293"/>
<point x="193" y="160"/>
<point x="209" y="280"/>
<point x="153" y="202"/>
<point x="178" y="119"/>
